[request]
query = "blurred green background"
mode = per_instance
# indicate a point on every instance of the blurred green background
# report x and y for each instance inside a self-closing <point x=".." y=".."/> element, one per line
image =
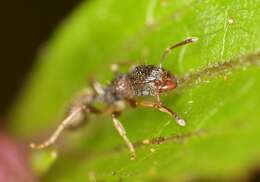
<point x="221" y="105"/>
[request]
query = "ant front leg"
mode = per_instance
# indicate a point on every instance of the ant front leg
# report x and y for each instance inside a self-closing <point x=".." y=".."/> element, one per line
<point x="159" y="106"/>
<point x="76" y="116"/>
<point x="121" y="130"/>
<point x="96" y="86"/>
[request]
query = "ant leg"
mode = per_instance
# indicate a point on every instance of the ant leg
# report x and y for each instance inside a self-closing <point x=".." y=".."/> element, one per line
<point x="161" y="108"/>
<point x="158" y="99"/>
<point x="75" y="117"/>
<point x="96" y="86"/>
<point x="121" y="130"/>
<point x="115" y="67"/>
<point x="66" y="122"/>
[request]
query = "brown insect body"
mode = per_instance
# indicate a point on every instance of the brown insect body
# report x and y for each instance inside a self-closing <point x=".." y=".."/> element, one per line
<point x="142" y="80"/>
<point x="150" y="80"/>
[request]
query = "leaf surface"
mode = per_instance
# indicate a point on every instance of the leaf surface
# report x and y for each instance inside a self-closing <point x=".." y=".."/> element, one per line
<point x="219" y="101"/>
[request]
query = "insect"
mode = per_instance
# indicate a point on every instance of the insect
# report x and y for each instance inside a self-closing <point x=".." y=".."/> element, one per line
<point x="126" y="88"/>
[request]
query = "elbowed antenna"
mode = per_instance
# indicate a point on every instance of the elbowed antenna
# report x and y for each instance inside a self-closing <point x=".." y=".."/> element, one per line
<point x="169" y="49"/>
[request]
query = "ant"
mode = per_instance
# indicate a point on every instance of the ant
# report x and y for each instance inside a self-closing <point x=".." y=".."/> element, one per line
<point x="142" y="80"/>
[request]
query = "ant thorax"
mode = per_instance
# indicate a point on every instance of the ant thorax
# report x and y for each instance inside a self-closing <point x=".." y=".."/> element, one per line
<point x="144" y="80"/>
<point x="118" y="89"/>
<point x="141" y="81"/>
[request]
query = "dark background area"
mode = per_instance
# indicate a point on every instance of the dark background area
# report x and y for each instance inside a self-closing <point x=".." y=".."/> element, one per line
<point x="25" y="26"/>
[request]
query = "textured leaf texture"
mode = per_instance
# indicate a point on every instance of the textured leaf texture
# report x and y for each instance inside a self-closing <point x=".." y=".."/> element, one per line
<point x="218" y="94"/>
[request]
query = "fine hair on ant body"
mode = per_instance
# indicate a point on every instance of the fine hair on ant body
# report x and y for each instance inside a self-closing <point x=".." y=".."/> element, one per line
<point x="142" y="80"/>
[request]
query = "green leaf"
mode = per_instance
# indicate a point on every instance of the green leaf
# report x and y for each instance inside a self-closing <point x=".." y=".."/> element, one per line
<point x="218" y="99"/>
<point x="42" y="160"/>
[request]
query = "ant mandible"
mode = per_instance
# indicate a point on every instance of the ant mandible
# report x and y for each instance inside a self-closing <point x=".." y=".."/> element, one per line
<point x="142" y="80"/>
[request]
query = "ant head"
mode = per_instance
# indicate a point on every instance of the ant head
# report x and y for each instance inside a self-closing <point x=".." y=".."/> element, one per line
<point x="162" y="79"/>
<point x="166" y="82"/>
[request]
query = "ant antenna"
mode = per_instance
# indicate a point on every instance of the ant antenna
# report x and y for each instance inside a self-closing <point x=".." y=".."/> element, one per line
<point x="169" y="49"/>
<point x="57" y="132"/>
